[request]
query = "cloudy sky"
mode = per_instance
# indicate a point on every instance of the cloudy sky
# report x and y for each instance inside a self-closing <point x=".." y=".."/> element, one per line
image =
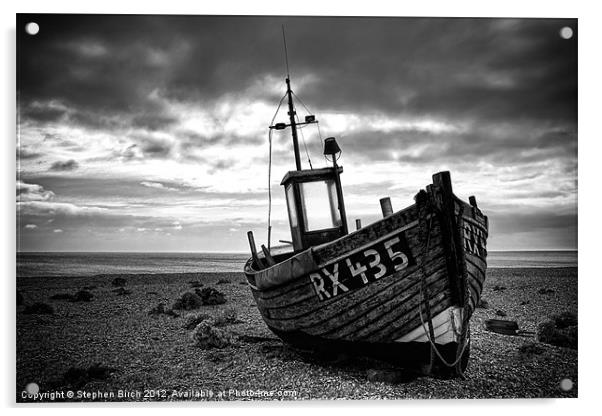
<point x="149" y="133"/>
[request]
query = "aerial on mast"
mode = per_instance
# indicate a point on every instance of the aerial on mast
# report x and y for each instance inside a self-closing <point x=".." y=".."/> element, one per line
<point x="291" y="111"/>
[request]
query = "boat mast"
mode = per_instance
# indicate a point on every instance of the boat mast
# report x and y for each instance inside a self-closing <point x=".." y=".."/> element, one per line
<point x="292" y="113"/>
<point x="291" y="107"/>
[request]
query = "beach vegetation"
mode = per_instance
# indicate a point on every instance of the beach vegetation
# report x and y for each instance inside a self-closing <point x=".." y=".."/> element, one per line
<point x="228" y="317"/>
<point x="119" y="281"/>
<point x="39" y="308"/>
<point x="82" y="296"/>
<point x="188" y="301"/>
<point x="78" y="377"/>
<point x="210" y="296"/>
<point x="193" y="319"/>
<point x="560" y="330"/>
<point x="160" y="309"/>
<point x="208" y="336"/>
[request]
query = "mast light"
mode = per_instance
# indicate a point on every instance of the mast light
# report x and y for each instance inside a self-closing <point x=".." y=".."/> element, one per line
<point x="331" y="148"/>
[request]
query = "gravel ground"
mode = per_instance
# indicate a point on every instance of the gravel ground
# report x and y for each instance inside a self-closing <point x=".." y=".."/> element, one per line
<point x="153" y="358"/>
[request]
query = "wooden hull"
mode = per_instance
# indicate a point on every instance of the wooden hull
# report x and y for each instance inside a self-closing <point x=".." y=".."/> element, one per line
<point x="385" y="290"/>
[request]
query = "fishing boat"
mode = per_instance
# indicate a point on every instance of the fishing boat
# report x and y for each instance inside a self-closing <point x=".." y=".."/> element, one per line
<point x="402" y="289"/>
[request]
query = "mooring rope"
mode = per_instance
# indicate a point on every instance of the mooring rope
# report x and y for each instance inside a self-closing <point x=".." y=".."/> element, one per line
<point x="430" y="331"/>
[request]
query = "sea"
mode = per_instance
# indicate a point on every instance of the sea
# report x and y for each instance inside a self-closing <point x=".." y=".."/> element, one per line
<point x="90" y="264"/>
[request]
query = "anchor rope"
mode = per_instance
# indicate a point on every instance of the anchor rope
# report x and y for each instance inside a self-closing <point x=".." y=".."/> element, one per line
<point x="430" y="331"/>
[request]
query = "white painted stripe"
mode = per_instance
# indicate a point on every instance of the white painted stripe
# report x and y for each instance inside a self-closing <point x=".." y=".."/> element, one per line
<point x="442" y="325"/>
<point x="372" y="242"/>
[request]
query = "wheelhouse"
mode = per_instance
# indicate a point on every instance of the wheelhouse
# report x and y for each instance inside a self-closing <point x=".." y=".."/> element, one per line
<point x="315" y="206"/>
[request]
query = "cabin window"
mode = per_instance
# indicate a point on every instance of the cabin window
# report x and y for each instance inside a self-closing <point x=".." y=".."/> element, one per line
<point x="319" y="205"/>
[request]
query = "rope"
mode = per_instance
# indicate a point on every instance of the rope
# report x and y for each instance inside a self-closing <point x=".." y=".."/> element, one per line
<point x="430" y="331"/>
<point x="270" y="173"/>
<point x="304" y="145"/>
<point x="317" y="123"/>
<point x="270" y="190"/>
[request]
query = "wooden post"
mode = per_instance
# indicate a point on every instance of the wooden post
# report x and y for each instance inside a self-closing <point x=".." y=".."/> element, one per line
<point x="473" y="201"/>
<point x="454" y="254"/>
<point x="254" y="250"/>
<point x="386" y="207"/>
<point x="268" y="256"/>
<point x="358" y="224"/>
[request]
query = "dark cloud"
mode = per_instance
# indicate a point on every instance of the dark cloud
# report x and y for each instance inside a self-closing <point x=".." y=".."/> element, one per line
<point x="32" y="192"/>
<point x="504" y="89"/>
<point x="476" y="68"/>
<point x="24" y="153"/>
<point x="130" y="190"/>
<point x="66" y="165"/>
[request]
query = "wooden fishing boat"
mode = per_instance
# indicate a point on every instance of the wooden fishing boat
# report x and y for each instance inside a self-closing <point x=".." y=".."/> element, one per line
<point x="402" y="289"/>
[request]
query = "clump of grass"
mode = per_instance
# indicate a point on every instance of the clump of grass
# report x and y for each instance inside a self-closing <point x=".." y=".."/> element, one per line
<point x="208" y="336"/>
<point x="545" y="291"/>
<point x="228" y="317"/>
<point x="223" y="281"/>
<point x="530" y="348"/>
<point x="210" y="296"/>
<point x="560" y="330"/>
<point x="62" y="296"/>
<point x="188" y="301"/>
<point x="122" y="291"/>
<point x="497" y="288"/>
<point x="119" y="281"/>
<point x="39" y="308"/>
<point x="161" y="310"/>
<point x="193" y="319"/>
<point x="483" y="304"/>
<point x="565" y="319"/>
<point x="79" y="377"/>
<point x="195" y="283"/>
<point x="82" y="296"/>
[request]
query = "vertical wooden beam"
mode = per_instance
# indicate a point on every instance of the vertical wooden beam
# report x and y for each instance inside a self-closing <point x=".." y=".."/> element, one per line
<point x="253" y="248"/>
<point x="358" y="224"/>
<point x="386" y="207"/>
<point x="473" y="201"/>
<point x="454" y="252"/>
<point x="268" y="257"/>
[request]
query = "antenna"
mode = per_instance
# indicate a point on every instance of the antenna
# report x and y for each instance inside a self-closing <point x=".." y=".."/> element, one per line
<point x="285" y="53"/>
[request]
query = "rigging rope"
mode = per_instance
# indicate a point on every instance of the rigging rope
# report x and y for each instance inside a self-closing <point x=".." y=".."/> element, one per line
<point x="304" y="144"/>
<point x="270" y="173"/>
<point x="317" y="124"/>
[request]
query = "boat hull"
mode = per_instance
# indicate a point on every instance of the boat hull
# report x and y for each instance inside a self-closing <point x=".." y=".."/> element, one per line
<point x="396" y="289"/>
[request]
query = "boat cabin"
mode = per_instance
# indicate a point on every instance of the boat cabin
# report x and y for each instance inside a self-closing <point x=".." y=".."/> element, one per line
<point x="315" y="206"/>
<point x="314" y="197"/>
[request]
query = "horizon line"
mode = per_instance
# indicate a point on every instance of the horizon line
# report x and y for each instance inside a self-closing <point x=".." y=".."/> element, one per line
<point x="244" y="252"/>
